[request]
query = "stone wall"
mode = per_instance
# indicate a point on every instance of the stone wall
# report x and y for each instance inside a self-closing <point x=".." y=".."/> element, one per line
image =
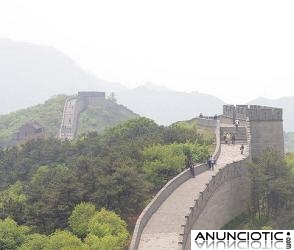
<point x="206" y="123"/>
<point x="266" y="134"/>
<point x="83" y="99"/>
<point x="225" y="196"/>
<point x="253" y="112"/>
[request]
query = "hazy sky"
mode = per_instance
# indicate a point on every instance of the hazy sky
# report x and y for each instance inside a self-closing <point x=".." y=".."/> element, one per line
<point x="237" y="50"/>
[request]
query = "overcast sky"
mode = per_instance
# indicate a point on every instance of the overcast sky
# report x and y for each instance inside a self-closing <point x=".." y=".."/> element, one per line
<point x="236" y="50"/>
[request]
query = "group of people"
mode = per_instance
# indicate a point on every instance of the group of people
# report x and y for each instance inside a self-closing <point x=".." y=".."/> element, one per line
<point x="208" y="117"/>
<point x="228" y="137"/>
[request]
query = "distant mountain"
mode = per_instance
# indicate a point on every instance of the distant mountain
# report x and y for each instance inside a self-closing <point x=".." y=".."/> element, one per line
<point x="166" y="106"/>
<point x="30" y="74"/>
<point x="287" y="103"/>
<point x="49" y="115"/>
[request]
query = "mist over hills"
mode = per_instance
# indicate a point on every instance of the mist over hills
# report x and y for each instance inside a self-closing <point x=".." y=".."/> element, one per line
<point x="166" y="106"/>
<point x="31" y="74"/>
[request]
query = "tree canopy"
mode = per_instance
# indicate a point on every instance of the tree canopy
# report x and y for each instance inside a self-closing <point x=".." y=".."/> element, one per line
<point x="51" y="185"/>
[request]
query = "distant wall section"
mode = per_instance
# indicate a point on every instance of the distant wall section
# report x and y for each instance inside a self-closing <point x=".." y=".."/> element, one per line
<point x="81" y="101"/>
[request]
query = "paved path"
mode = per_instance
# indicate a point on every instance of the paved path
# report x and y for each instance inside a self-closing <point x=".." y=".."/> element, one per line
<point x="67" y="125"/>
<point x="162" y="230"/>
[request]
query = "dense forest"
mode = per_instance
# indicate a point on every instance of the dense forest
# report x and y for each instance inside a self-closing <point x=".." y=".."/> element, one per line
<point x="272" y="194"/>
<point x="87" y="194"/>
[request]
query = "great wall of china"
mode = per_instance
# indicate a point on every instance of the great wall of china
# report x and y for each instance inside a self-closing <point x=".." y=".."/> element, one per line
<point x="72" y="108"/>
<point x="212" y="198"/>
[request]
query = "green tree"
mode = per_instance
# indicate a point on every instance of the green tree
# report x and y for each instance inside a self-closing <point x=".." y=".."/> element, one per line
<point x="80" y="217"/>
<point x="105" y="243"/>
<point x="112" y="97"/>
<point x="66" y="241"/>
<point x="272" y="186"/>
<point x="35" y="242"/>
<point x="163" y="162"/>
<point x="12" y="235"/>
<point x="13" y="201"/>
<point x="105" y="224"/>
<point x="53" y="192"/>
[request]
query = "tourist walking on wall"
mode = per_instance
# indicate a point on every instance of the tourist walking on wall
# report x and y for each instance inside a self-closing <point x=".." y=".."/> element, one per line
<point x="208" y="162"/>
<point x="225" y="137"/>
<point x="189" y="163"/>
<point x="242" y="149"/>
<point x="237" y="123"/>
<point x="212" y="162"/>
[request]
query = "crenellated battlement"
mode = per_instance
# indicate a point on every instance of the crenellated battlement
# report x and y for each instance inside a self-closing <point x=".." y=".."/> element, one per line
<point x="253" y="113"/>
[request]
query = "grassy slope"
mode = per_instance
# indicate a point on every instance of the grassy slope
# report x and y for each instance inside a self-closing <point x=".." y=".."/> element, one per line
<point x="97" y="118"/>
<point x="48" y="115"/>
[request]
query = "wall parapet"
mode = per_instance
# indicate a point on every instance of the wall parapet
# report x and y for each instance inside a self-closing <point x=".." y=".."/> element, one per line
<point x="208" y="122"/>
<point x="229" y="172"/>
<point x="162" y="195"/>
<point x="253" y="112"/>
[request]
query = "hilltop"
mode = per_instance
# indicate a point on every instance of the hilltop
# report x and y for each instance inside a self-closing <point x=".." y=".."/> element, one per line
<point x="49" y="115"/>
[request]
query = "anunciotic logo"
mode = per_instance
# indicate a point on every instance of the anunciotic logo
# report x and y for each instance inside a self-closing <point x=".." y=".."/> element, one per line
<point x="242" y="239"/>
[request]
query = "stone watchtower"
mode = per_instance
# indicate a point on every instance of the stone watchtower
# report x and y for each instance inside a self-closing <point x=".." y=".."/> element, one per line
<point x="266" y="126"/>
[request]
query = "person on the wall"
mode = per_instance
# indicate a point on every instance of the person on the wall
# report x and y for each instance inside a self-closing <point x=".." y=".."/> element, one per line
<point x="225" y="137"/>
<point x="237" y="123"/>
<point x="208" y="162"/>
<point x="189" y="162"/>
<point x="212" y="162"/>
<point x="242" y="149"/>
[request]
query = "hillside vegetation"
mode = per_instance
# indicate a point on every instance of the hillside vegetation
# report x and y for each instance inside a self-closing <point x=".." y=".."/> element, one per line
<point x="49" y="115"/>
<point x="98" y="117"/>
<point x="74" y="194"/>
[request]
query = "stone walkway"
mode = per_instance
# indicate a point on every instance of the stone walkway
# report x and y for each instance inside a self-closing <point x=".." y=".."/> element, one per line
<point x="67" y="125"/>
<point x="162" y="230"/>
